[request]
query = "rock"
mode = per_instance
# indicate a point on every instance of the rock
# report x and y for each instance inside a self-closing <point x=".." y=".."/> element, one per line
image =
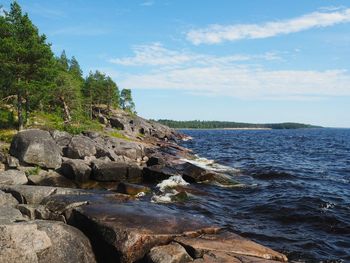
<point x="9" y="214"/>
<point x="22" y="243"/>
<point x="228" y="243"/>
<point x="30" y="194"/>
<point x="76" y="170"/>
<point x="36" y="147"/>
<point x="68" y="244"/>
<point x="172" y="253"/>
<point x="135" y="174"/>
<point x="12" y="162"/>
<point x="221" y="257"/>
<point x="79" y="147"/>
<point x="2" y="167"/>
<point x="13" y="177"/>
<point x="129" y="230"/>
<point x="39" y="212"/>
<point x="116" y="123"/>
<point x="155" y="160"/>
<point x="109" y="171"/>
<point x="7" y="200"/>
<point x="157" y="173"/>
<point x="61" y="138"/>
<point x="132" y="189"/>
<point x="195" y="174"/>
<point x="50" y="178"/>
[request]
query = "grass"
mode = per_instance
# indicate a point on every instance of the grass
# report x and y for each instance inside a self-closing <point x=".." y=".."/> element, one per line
<point x="117" y="134"/>
<point x="6" y="135"/>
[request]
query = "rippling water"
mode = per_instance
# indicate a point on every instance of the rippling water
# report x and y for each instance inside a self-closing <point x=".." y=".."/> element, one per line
<point x="296" y="197"/>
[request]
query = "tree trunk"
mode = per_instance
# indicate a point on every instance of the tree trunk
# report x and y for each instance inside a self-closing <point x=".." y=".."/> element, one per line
<point x="20" y="111"/>
<point x="66" y="112"/>
<point x="27" y="109"/>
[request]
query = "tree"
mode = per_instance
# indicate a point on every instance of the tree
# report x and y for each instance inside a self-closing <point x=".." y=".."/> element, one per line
<point x="126" y="101"/>
<point x="26" y="59"/>
<point x="100" y="89"/>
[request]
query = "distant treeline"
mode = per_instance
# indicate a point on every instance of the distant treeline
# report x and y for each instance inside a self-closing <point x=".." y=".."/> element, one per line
<point x="196" y="124"/>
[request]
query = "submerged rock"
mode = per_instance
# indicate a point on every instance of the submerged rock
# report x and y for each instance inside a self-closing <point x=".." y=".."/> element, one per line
<point x="36" y="147"/>
<point x="132" y="189"/>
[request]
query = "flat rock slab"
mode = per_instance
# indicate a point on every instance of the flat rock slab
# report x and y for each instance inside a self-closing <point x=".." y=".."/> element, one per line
<point x="133" y="228"/>
<point x="31" y="194"/>
<point x="50" y="178"/>
<point x="13" y="177"/>
<point x="221" y="257"/>
<point x="228" y="243"/>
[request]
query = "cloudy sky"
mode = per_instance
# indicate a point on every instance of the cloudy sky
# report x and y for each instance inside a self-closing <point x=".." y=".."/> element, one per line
<point x="251" y="61"/>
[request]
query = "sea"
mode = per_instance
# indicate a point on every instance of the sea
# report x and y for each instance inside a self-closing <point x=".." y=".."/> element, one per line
<point x="293" y="193"/>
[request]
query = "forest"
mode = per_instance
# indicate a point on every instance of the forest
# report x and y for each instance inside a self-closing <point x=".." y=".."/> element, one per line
<point x="35" y="82"/>
<point x="196" y="124"/>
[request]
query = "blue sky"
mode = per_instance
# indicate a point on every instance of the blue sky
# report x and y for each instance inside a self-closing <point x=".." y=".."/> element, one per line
<point x="251" y="61"/>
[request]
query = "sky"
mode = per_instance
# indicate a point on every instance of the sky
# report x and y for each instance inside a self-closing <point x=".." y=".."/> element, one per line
<point x="248" y="61"/>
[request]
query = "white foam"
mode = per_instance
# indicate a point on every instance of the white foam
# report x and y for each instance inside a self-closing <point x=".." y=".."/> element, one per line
<point x="171" y="182"/>
<point x="164" y="198"/>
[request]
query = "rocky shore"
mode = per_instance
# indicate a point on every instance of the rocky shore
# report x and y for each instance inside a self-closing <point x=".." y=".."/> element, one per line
<point x="91" y="198"/>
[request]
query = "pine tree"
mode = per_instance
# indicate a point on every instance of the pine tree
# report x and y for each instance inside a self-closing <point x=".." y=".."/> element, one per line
<point x="126" y="101"/>
<point x="26" y="58"/>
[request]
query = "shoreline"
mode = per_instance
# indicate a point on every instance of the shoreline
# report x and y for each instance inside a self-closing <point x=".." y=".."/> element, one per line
<point x="223" y="129"/>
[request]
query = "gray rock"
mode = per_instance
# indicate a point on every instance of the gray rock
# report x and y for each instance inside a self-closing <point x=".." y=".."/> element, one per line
<point x="36" y="147"/>
<point x="68" y="244"/>
<point x="76" y="170"/>
<point x="155" y="160"/>
<point x="62" y="138"/>
<point x="12" y="162"/>
<point x="50" y="178"/>
<point x="116" y="123"/>
<point x="30" y="194"/>
<point x="22" y="243"/>
<point x="7" y="200"/>
<point x="13" y="177"/>
<point x="79" y="147"/>
<point x="10" y="214"/>
<point x="109" y="171"/>
<point x="172" y="253"/>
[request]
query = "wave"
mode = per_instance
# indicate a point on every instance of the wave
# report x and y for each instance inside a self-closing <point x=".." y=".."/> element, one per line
<point x="211" y="165"/>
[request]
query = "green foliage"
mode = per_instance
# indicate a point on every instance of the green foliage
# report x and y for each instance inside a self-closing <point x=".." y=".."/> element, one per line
<point x="6" y="135"/>
<point x="126" y="101"/>
<point x="196" y="124"/>
<point x="118" y="135"/>
<point x="51" y="88"/>
<point x="34" y="171"/>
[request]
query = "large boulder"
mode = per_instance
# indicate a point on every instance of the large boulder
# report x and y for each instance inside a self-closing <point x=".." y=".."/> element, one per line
<point x="80" y="146"/>
<point x="62" y="138"/>
<point x="13" y="177"/>
<point x="76" y="169"/>
<point x="68" y="244"/>
<point x="109" y="171"/>
<point x="36" y="147"/>
<point x="22" y="243"/>
<point x="9" y="214"/>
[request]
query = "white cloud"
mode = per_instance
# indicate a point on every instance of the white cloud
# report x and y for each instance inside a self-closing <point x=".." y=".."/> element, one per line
<point x="147" y="3"/>
<point x="245" y="82"/>
<point x="157" y="55"/>
<point x="218" y="33"/>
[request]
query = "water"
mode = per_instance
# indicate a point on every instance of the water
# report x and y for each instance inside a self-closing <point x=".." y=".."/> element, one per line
<point x="296" y="197"/>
